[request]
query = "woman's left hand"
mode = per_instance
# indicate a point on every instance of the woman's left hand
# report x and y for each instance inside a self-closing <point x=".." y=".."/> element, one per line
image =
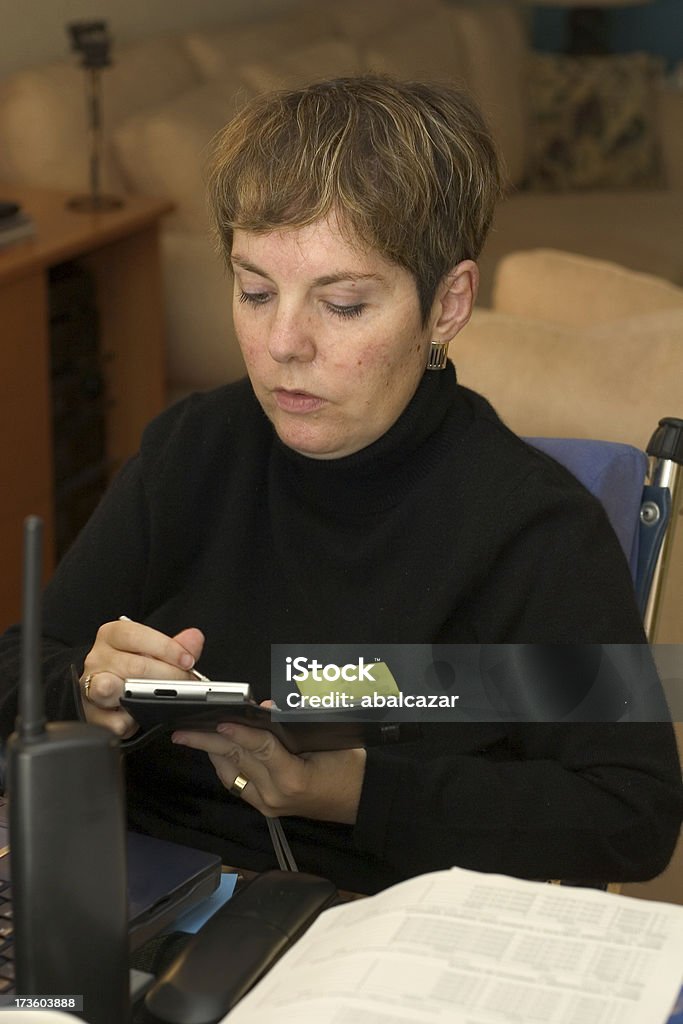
<point x="324" y="785"/>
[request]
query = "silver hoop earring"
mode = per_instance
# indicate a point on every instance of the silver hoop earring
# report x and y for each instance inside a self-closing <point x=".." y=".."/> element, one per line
<point x="438" y="354"/>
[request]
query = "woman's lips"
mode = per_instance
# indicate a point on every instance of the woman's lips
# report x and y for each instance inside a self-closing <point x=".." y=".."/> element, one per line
<point x="297" y="401"/>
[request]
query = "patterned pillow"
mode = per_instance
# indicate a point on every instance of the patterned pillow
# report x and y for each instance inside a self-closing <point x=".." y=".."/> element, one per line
<point x="593" y="121"/>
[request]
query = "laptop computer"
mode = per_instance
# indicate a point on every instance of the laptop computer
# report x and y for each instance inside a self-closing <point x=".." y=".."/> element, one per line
<point x="164" y="880"/>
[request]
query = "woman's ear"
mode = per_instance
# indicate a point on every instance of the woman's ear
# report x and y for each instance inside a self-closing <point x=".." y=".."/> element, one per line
<point x="454" y="301"/>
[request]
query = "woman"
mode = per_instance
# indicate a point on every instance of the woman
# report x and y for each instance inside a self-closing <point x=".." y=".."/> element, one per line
<point x="352" y="491"/>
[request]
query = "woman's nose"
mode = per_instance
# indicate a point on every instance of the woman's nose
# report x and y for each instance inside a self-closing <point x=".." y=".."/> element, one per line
<point x="290" y="337"/>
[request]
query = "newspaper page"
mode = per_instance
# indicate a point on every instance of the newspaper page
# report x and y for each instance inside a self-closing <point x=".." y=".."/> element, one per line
<point x="460" y="946"/>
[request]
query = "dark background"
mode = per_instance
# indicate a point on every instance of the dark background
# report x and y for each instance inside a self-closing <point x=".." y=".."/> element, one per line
<point x="655" y="28"/>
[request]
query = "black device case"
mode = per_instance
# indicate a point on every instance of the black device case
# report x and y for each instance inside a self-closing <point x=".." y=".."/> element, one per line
<point x="335" y="731"/>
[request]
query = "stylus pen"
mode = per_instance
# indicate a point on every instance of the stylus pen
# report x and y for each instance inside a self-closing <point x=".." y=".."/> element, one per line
<point x="193" y="671"/>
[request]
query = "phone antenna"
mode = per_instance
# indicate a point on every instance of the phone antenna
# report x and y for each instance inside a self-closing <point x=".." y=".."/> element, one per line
<point x="31" y="704"/>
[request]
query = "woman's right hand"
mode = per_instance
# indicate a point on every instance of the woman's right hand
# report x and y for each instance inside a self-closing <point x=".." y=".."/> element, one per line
<point x="125" y="649"/>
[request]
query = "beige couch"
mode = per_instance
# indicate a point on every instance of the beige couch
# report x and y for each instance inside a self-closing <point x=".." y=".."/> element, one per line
<point x="578" y="347"/>
<point x="165" y="98"/>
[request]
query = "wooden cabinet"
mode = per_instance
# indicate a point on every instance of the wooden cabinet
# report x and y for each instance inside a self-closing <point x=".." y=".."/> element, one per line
<point x="120" y="248"/>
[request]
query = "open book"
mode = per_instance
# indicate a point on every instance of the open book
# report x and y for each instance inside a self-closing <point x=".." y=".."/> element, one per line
<point x="459" y="946"/>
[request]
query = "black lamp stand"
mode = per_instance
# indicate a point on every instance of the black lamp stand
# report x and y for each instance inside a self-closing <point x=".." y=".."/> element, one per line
<point x="91" y="39"/>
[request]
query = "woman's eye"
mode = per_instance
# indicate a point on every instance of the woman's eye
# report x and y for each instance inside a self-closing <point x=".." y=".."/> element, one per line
<point x="254" y="298"/>
<point x="346" y="312"/>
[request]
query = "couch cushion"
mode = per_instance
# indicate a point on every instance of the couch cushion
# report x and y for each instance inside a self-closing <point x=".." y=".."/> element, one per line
<point x="570" y="289"/>
<point x="593" y="121"/>
<point x="162" y="150"/>
<point x="43" y="127"/>
<point x="670" y="132"/>
<point x="43" y="120"/>
<point x="494" y="37"/>
<point x="329" y="58"/>
<point x="637" y="229"/>
<point x="217" y="52"/>
<point x="361" y="21"/>
<point x="200" y="338"/>
<point x="426" y="47"/>
<point x="612" y="381"/>
<point x="147" y="72"/>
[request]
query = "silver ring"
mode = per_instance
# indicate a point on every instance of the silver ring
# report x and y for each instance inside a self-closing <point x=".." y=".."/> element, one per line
<point x="238" y="785"/>
<point x="86" y="685"/>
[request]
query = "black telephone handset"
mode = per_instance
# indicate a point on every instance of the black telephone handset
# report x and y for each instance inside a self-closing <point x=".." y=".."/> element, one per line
<point x="237" y="946"/>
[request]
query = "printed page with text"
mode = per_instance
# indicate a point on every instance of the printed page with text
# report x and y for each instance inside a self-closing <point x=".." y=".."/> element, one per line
<point x="469" y="948"/>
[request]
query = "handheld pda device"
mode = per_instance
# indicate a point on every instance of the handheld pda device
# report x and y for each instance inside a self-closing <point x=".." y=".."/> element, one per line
<point x="170" y="704"/>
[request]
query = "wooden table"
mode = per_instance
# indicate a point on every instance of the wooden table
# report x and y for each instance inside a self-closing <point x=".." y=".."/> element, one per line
<point x="120" y="248"/>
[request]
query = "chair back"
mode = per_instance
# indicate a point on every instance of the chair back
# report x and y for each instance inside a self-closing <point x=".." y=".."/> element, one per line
<point x="639" y="495"/>
<point x="614" y="473"/>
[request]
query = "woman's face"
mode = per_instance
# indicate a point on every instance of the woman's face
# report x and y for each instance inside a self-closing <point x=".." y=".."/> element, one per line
<point x="331" y="335"/>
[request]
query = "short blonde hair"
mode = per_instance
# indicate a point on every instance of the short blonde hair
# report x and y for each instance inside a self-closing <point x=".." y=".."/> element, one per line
<point x="409" y="169"/>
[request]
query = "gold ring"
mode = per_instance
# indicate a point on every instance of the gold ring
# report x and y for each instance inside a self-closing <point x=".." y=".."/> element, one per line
<point x="86" y="685"/>
<point x="238" y="785"/>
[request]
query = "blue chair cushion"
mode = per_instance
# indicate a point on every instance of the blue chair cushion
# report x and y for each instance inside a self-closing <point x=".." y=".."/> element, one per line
<point x="614" y="473"/>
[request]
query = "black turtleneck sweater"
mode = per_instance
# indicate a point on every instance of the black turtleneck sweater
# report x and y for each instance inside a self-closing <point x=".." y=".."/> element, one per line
<point x="447" y="529"/>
